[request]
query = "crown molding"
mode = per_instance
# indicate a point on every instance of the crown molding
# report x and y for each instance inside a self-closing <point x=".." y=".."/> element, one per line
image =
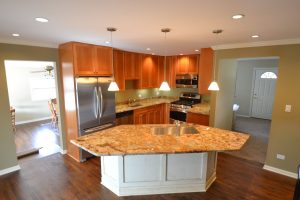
<point x="257" y="44"/>
<point x="27" y="43"/>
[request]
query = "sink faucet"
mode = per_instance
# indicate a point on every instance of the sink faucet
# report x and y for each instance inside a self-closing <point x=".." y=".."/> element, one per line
<point x="177" y="122"/>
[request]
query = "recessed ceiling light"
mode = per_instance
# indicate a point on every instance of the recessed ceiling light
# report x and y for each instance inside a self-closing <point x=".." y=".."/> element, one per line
<point x="181" y="54"/>
<point x="148" y="49"/>
<point x="40" y="19"/>
<point x="255" y="36"/>
<point x="238" y="16"/>
<point x="153" y="53"/>
<point x="106" y="42"/>
<point x="16" y="34"/>
<point x="196" y="49"/>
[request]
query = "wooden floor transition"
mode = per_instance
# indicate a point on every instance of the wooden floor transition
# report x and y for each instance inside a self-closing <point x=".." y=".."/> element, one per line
<point x="59" y="177"/>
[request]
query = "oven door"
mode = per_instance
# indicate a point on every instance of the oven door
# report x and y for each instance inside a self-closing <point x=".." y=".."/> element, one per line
<point x="177" y="115"/>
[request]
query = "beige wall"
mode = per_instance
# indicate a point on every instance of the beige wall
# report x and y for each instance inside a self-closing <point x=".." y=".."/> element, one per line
<point x="18" y="52"/>
<point x="244" y="81"/>
<point x="285" y="127"/>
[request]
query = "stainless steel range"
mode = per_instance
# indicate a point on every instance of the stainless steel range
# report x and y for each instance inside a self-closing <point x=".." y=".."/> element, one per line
<point x="178" y="109"/>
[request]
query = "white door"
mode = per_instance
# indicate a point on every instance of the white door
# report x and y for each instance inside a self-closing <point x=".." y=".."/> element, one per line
<point x="263" y="92"/>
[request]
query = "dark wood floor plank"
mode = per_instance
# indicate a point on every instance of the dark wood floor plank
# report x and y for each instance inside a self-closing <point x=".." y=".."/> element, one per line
<point x="60" y="177"/>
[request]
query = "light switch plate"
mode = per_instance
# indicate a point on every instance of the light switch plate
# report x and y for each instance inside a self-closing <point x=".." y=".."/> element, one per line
<point x="280" y="157"/>
<point x="288" y="108"/>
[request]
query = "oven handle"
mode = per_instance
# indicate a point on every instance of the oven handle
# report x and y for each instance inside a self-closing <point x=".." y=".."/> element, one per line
<point x="178" y="110"/>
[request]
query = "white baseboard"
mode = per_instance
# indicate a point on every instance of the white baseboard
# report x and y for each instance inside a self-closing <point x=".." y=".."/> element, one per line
<point x="9" y="170"/>
<point x="32" y="120"/>
<point x="63" y="151"/>
<point x="280" y="171"/>
<point x="242" y="115"/>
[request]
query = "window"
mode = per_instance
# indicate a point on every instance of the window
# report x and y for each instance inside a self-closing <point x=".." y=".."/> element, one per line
<point x="42" y="88"/>
<point x="271" y="75"/>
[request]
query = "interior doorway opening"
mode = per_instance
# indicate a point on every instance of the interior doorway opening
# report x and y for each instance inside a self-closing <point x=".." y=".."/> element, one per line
<point x="32" y="93"/>
<point x="254" y="94"/>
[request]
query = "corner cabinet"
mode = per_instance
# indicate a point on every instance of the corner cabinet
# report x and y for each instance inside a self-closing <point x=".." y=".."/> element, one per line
<point x="205" y="70"/>
<point x="91" y="60"/>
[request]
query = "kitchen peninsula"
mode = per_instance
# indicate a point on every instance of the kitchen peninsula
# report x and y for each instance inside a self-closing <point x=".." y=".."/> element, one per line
<point x="157" y="159"/>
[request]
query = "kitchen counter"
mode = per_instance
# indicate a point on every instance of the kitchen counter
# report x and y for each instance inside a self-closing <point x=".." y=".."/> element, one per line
<point x="136" y="160"/>
<point x="139" y="139"/>
<point x="144" y="103"/>
<point x="201" y="108"/>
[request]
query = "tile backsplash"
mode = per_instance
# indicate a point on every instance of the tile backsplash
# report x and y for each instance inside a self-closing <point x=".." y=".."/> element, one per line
<point x="123" y="96"/>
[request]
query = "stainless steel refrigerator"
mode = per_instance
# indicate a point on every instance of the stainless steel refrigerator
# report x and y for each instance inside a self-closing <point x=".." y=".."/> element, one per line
<point x="95" y="106"/>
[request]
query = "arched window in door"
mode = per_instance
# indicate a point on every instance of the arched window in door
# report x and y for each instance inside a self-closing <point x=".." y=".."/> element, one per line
<point x="271" y="75"/>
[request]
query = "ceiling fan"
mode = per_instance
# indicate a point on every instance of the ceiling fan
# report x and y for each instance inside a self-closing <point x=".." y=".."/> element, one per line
<point x="48" y="71"/>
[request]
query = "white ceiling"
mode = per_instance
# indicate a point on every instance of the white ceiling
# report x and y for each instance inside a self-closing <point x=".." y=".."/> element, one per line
<point x="139" y="22"/>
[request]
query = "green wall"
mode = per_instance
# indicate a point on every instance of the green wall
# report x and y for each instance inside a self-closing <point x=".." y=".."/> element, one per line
<point x="18" y="52"/>
<point x="285" y="127"/>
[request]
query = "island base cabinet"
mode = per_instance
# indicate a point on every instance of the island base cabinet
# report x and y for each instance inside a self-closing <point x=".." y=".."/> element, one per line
<point x="158" y="174"/>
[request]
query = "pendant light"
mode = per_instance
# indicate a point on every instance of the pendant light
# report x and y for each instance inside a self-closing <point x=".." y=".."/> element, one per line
<point x="214" y="85"/>
<point x="113" y="86"/>
<point x="164" y="85"/>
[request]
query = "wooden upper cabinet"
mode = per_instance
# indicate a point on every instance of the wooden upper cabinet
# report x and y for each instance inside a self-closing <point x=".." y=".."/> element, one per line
<point x="92" y="60"/>
<point x="131" y="66"/>
<point x="170" y="70"/>
<point x="103" y="59"/>
<point x="205" y="70"/>
<point x="193" y="64"/>
<point x="83" y="59"/>
<point x="119" y="69"/>
<point x="187" y="64"/>
<point x="149" y="71"/>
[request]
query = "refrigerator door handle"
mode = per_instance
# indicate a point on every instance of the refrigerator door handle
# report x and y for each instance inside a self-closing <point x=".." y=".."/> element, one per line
<point x="96" y="110"/>
<point x="101" y="102"/>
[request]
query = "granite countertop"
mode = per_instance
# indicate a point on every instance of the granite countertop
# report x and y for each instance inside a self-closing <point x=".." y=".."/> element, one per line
<point x="140" y="139"/>
<point x="201" y="108"/>
<point x="144" y="103"/>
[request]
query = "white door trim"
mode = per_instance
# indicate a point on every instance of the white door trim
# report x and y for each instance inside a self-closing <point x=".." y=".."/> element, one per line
<point x="253" y="83"/>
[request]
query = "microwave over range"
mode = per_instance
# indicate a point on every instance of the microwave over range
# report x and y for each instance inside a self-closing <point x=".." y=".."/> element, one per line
<point x="187" y="81"/>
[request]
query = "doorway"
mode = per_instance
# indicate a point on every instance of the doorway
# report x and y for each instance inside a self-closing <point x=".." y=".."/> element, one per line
<point x="32" y="95"/>
<point x="254" y="93"/>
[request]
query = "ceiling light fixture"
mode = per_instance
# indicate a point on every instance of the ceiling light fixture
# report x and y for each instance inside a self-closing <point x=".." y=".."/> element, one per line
<point x="16" y="34"/>
<point x="106" y="42"/>
<point x="164" y="85"/>
<point x="196" y="50"/>
<point x="255" y="36"/>
<point x="238" y="16"/>
<point x="41" y="19"/>
<point x="113" y="86"/>
<point x="148" y="49"/>
<point x="214" y="85"/>
<point x="181" y="54"/>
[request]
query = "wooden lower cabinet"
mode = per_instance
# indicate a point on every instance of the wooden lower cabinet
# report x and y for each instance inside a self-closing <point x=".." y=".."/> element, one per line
<point x="151" y="115"/>
<point x="197" y="118"/>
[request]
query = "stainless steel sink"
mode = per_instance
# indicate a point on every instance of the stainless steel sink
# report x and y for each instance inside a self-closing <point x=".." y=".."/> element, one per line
<point x="174" y="130"/>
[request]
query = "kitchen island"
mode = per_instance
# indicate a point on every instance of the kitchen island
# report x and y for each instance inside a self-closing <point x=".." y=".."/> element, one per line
<point x="157" y="159"/>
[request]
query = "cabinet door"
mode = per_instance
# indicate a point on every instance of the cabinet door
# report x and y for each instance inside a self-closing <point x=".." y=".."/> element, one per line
<point x="197" y="119"/>
<point x="205" y="70"/>
<point x="103" y="61"/>
<point x="193" y="64"/>
<point x="131" y="65"/>
<point x="171" y="71"/>
<point x="83" y="59"/>
<point x="119" y="69"/>
<point x="149" y="65"/>
<point x="160" y="70"/>
<point x="182" y="65"/>
<point x="141" y="116"/>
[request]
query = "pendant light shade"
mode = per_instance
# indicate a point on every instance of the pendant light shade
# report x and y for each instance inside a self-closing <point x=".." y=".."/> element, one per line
<point x="113" y="86"/>
<point x="164" y="85"/>
<point x="213" y="86"/>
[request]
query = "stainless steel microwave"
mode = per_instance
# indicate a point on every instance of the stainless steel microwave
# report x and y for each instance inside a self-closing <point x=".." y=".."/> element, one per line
<point x="187" y="81"/>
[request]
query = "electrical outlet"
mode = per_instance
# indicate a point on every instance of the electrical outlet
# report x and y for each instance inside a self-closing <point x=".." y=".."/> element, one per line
<point x="288" y="108"/>
<point x="280" y="157"/>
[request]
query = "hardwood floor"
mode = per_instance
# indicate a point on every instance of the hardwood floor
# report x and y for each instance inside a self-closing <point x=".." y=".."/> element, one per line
<point x="60" y="177"/>
<point x="37" y="135"/>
